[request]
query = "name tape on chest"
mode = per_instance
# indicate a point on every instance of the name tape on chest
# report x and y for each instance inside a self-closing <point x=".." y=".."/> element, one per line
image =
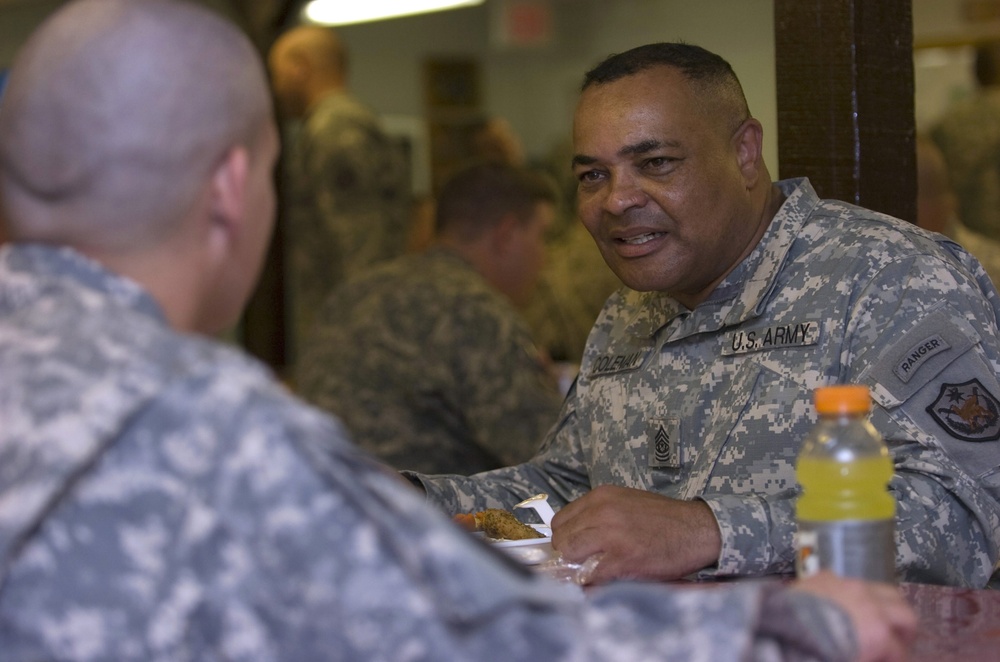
<point x="619" y="362"/>
<point x="777" y="336"/>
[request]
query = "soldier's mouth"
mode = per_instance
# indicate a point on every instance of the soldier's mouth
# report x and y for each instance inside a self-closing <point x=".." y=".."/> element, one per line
<point x="640" y="239"/>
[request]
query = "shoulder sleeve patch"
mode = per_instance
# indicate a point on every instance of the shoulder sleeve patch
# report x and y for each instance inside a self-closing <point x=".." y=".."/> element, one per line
<point x="967" y="411"/>
<point x="921" y="353"/>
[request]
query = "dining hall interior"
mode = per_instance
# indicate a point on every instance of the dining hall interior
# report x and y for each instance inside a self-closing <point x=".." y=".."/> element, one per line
<point x="846" y="92"/>
<point x="841" y="87"/>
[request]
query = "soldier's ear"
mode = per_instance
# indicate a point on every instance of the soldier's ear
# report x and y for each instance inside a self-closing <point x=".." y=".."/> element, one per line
<point x="748" y="142"/>
<point x="227" y="197"/>
<point x="506" y="232"/>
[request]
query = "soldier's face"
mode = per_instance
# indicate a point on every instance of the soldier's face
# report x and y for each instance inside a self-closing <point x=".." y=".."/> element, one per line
<point x="286" y="81"/>
<point x="660" y="185"/>
<point x="526" y="254"/>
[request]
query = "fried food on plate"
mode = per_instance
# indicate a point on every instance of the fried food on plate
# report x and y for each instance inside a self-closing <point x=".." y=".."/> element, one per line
<point x="497" y="524"/>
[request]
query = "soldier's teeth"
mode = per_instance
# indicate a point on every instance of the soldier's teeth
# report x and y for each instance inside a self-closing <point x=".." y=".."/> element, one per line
<point x="642" y="239"/>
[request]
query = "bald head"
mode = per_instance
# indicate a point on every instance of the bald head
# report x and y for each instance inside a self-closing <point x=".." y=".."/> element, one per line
<point x="307" y="63"/>
<point x="116" y="113"/>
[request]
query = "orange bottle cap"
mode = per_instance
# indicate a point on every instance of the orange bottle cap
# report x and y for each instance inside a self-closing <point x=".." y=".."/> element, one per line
<point x="843" y="399"/>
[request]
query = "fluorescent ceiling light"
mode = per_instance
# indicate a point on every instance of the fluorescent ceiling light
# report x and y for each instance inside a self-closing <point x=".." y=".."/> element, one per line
<point x="344" y="12"/>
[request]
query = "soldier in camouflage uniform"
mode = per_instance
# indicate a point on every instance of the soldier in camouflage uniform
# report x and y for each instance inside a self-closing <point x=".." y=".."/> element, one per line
<point x="347" y="193"/>
<point x="968" y="136"/>
<point x="675" y="452"/>
<point x="425" y="358"/>
<point x="162" y="497"/>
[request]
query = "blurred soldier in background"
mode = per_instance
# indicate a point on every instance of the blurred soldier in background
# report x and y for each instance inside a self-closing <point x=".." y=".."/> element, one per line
<point x="347" y="191"/>
<point x="968" y="136"/>
<point x="425" y="358"/>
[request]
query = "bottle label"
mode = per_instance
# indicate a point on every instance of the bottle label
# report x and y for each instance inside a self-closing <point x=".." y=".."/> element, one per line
<point x="853" y="548"/>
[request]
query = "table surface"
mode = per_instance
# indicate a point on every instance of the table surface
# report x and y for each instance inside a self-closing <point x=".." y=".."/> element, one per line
<point x="955" y="623"/>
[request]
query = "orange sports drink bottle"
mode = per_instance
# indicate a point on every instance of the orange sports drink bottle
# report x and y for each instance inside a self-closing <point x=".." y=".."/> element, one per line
<point x="845" y="512"/>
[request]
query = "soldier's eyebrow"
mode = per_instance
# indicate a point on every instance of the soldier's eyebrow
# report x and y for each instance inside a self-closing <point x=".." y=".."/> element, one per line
<point x="641" y="147"/>
<point x="644" y="146"/>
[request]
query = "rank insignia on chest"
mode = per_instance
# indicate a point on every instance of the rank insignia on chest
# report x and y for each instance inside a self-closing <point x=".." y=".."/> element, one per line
<point x="967" y="411"/>
<point x="664" y="449"/>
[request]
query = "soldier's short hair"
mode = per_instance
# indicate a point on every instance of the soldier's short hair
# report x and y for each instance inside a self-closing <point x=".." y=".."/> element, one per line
<point x="481" y="195"/>
<point x="708" y="71"/>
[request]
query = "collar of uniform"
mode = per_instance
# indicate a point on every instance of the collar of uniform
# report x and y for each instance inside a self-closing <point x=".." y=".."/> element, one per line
<point x="332" y="99"/>
<point x="439" y="253"/>
<point x="742" y="294"/>
<point x="50" y="263"/>
<point x="653" y="310"/>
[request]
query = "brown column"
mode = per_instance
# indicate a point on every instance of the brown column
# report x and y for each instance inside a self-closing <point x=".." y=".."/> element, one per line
<point x="845" y="100"/>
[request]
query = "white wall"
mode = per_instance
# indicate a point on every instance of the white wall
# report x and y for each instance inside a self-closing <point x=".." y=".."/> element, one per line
<point x="536" y="88"/>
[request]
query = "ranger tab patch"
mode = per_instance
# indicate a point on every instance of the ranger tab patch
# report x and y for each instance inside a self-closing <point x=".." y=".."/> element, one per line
<point x="967" y="411"/>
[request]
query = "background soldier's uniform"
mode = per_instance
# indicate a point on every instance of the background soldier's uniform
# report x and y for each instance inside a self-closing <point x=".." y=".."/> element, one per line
<point x="163" y="498"/>
<point x="430" y="368"/>
<point x="968" y="136"/>
<point x="969" y="139"/>
<point x="347" y="200"/>
<point x="714" y="403"/>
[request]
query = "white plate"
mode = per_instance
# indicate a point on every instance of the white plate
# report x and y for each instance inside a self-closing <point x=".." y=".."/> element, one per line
<point x="531" y="551"/>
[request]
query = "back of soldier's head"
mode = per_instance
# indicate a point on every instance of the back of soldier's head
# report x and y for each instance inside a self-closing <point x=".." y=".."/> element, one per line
<point x="480" y="196"/>
<point x="115" y="113"/>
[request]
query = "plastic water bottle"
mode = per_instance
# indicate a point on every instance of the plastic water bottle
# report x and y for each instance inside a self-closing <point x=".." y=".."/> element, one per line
<point x="845" y="513"/>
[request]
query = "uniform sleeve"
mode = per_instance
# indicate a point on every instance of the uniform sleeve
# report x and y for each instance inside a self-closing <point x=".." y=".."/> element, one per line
<point x="926" y="343"/>
<point x="422" y="584"/>
<point x="923" y="336"/>
<point x="231" y="522"/>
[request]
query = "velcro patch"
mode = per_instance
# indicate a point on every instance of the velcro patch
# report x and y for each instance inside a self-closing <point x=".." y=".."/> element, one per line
<point x="967" y="411"/>
<point x="619" y="362"/>
<point x="918" y="355"/>
<point x="665" y="443"/>
<point x="778" y="336"/>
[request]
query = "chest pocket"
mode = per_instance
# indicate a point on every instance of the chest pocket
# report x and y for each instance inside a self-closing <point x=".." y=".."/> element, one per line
<point x="751" y="446"/>
<point x="734" y="432"/>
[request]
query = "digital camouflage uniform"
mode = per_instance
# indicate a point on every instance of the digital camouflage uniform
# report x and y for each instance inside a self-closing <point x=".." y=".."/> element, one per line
<point x="430" y="368"/>
<point x="713" y="403"/>
<point x="347" y="197"/>
<point x="163" y="498"/>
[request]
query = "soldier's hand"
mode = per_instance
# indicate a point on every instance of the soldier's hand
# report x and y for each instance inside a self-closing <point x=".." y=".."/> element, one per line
<point x="640" y="534"/>
<point x="885" y="624"/>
